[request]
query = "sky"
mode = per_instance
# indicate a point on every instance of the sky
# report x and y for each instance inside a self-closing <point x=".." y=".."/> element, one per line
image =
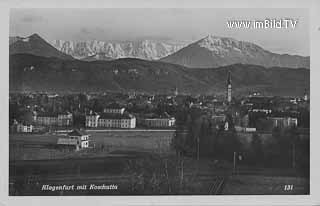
<point x="163" y="24"/>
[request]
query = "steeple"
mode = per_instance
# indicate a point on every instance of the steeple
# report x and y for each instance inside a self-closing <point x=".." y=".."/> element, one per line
<point x="229" y="78"/>
<point x="176" y="91"/>
<point x="229" y="87"/>
<point x="305" y="97"/>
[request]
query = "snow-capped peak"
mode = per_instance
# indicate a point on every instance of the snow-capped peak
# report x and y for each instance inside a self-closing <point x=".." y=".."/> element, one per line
<point x="221" y="45"/>
<point x="144" y="49"/>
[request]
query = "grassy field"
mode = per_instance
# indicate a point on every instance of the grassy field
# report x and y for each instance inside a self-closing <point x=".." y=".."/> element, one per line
<point x="34" y="146"/>
<point x="134" y="140"/>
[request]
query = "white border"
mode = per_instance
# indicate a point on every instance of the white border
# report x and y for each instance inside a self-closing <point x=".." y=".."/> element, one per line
<point x="312" y="199"/>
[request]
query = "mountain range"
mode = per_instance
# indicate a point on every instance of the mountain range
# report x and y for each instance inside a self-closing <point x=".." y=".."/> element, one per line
<point x="213" y="51"/>
<point x="33" y="73"/>
<point x="142" y="49"/>
<point x="209" y="52"/>
<point x="35" y="65"/>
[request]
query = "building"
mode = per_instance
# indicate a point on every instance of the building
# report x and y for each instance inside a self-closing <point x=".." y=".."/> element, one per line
<point x="24" y="128"/>
<point x="92" y="119"/>
<point x="229" y="88"/>
<point x="283" y="122"/>
<point x="47" y="120"/>
<point x="305" y="97"/>
<point x="114" y="108"/>
<point x="159" y="122"/>
<point x="111" y="120"/>
<point x="245" y="129"/>
<point x="176" y="91"/>
<point x="64" y="119"/>
<point x="77" y="139"/>
<point x="217" y="119"/>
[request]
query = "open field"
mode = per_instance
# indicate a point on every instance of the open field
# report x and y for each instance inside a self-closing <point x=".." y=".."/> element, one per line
<point x="34" y="146"/>
<point x="153" y="141"/>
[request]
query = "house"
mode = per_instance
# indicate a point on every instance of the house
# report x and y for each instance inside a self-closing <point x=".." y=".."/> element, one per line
<point x="114" y="108"/>
<point x="77" y="139"/>
<point x="24" y="128"/>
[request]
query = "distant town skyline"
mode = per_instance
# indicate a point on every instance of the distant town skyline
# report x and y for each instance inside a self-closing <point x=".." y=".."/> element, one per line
<point x="185" y="25"/>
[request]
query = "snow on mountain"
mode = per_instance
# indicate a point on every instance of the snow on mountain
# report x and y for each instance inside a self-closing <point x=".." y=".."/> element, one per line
<point x="214" y="51"/>
<point x="145" y="49"/>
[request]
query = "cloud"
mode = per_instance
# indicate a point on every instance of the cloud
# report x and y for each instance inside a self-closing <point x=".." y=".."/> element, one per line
<point x="32" y="18"/>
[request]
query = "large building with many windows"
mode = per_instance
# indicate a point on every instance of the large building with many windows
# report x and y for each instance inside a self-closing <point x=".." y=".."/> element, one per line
<point x="284" y="122"/>
<point x="111" y="120"/>
<point x="63" y="119"/>
<point x="159" y="122"/>
<point x="114" y="108"/>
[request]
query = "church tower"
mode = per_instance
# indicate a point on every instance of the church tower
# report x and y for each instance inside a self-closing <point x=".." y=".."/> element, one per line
<point x="229" y="88"/>
<point x="305" y="97"/>
<point x="176" y="92"/>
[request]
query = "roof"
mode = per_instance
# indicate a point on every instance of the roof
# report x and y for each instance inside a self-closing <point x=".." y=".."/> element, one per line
<point x="77" y="132"/>
<point x="115" y="116"/>
<point x="47" y="115"/>
<point x="67" y="141"/>
<point x="65" y="113"/>
<point x="160" y="118"/>
<point x="25" y="124"/>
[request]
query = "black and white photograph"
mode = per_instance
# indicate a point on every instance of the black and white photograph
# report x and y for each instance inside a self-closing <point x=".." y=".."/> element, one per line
<point x="159" y="101"/>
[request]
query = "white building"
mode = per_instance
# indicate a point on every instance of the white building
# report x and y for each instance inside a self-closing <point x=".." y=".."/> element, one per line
<point x="92" y="120"/>
<point x="159" y="122"/>
<point x="284" y="122"/>
<point x="111" y="120"/>
<point x="114" y="109"/>
<point x="64" y="119"/>
<point x="24" y="128"/>
<point x="77" y="139"/>
<point x="117" y="121"/>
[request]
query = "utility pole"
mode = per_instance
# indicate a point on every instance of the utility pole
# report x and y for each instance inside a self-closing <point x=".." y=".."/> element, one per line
<point x="181" y="176"/>
<point x="293" y="156"/>
<point x="234" y="162"/>
<point x="198" y="148"/>
<point x="167" y="175"/>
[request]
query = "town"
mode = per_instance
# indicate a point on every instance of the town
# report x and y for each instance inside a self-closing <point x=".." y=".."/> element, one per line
<point x="37" y="112"/>
<point x="224" y="128"/>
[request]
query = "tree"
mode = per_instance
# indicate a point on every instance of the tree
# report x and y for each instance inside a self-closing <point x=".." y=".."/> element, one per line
<point x="256" y="150"/>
